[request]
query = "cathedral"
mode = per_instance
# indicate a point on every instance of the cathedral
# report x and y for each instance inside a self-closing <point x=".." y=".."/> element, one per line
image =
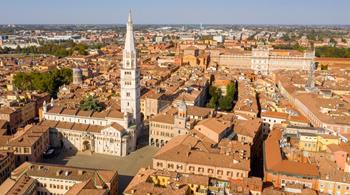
<point x="111" y="131"/>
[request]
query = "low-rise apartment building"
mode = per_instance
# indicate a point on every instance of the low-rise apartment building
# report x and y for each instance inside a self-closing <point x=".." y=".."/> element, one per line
<point x="28" y="144"/>
<point x="175" y="121"/>
<point x="189" y="154"/>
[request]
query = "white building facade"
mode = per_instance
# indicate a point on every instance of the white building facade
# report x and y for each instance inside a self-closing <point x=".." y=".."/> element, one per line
<point x="264" y="60"/>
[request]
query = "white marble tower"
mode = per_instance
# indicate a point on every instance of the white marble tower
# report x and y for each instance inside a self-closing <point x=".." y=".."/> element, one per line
<point x="130" y="77"/>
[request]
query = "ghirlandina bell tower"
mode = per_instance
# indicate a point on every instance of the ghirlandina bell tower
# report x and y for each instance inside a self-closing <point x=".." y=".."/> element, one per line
<point x="130" y="77"/>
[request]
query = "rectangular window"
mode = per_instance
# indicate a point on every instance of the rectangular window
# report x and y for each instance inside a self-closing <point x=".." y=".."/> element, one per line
<point x="220" y="172"/>
<point x="159" y="164"/>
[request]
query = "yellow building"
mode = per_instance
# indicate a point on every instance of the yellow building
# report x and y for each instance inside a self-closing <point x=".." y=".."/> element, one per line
<point x="333" y="187"/>
<point x="316" y="143"/>
<point x="167" y="182"/>
<point x="190" y="59"/>
<point x="333" y="180"/>
<point x="325" y="140"/>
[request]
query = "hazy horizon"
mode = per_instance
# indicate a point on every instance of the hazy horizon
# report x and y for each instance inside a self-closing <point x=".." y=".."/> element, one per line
<point x="179" y="12"/>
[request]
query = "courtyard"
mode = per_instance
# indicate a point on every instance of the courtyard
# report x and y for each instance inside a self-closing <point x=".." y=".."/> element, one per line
<point x="127" y="166"/>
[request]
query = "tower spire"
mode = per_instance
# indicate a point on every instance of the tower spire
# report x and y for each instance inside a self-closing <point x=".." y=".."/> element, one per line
<point x="130" y="17"/>
<point x="129" y="38"/>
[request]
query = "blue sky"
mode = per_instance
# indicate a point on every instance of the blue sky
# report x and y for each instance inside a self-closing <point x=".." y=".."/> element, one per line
<point x="175" y="11"/>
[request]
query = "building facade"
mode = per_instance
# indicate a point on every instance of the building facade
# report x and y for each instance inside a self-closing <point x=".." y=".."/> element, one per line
<point x="177" y="121"/>
<point x="264" y="60"/>
<point x="28" y="144"/>
<point x="107" y="132"/>
<point x="188" y="154"/>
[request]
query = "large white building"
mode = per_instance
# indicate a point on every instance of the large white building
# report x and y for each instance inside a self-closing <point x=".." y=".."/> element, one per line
<point x="111" y="131"/>
<point x="263" y="60"/>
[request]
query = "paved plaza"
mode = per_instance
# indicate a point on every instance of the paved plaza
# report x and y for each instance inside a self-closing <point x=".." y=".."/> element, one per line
<point x="127" y="166"/>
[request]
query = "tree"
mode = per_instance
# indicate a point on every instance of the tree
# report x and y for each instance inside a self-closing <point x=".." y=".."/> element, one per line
<point x="91" y="103"/>
<point x="43" y="82"/>
<point x="212" y="103"/>
<point x="22" y="81"/>
<point x="59" y="49"/>
<point x="225" y="103"/>
<point x="332" y="52"/>
<point x="286" y="37"/>
<point x="215" y="94"/>
<point x="231" y="89"/>
<point x="290" y="46"/>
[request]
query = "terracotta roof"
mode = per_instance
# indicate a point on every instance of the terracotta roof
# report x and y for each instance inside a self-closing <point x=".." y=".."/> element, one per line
<point x="73" y="126"/>
<point x="95" y="128"/>
<point x="68" y="111"/>
<point x="299" y="118"/>
<point x="79" y="127"/>
<point x="102" y="114"/>
<point x="152" y="94"/>
<point x="199" y="111"/>
<point x="28" y="137"/>
<point x="191" y="150"/>
<point x="55" y="110"/>
<point x="275" y="163"/>
<point x="296" y="168"/>
<point x="271" y="114"/>
<point x="64" y="125"/>
<point x="163" y="118"/>
<point x="21" y="186"/>
<point x="118" y="127"/>
<point x="91" y="181"/>
<point x="342" y="147"/>
<point x="115" y="114"/>
<point x="214" y="124"/>
<point x="84" y="113"/>
<point x="247" y="127"/>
